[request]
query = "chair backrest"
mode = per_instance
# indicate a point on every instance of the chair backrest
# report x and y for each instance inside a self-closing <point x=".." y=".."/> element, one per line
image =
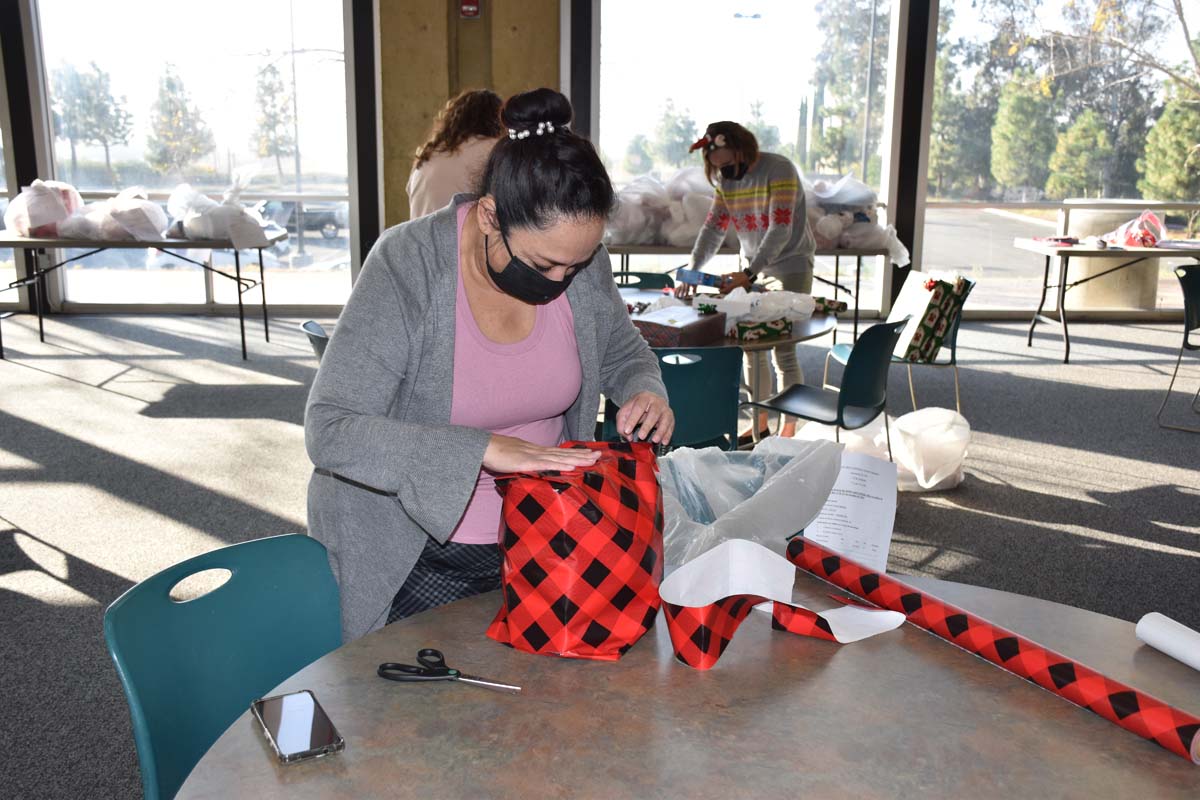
<point x="1189" y="282"/>
<point x="864" y="381"/>
<point x="702" y="384"/>
<point x="317" y="336"/>
<point x="644" y="280"/>
<point x="189" y="669"/>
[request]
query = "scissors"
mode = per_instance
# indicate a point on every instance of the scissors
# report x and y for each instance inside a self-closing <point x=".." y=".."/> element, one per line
<point x="433" y="668"/>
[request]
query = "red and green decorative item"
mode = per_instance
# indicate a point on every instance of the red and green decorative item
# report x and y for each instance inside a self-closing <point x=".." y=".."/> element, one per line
<point x="944" y="305"/>
<point x="762" y="331"/>
<point x="824" y="305"/>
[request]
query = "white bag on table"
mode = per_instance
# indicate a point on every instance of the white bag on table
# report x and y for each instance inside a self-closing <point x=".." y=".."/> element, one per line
<point x="711" y="495"/>
<point x="204" y="218"/>
<point x="40" y="206"/>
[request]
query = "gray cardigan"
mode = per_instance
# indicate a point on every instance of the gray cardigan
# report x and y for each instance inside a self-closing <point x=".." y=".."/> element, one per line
<point x="390" y="468"/>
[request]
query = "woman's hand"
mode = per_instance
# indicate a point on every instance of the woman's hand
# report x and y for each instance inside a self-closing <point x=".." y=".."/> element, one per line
<point x="734" y="280"/>
<point x="654" y="415"/>
<point x="509" y="454"/>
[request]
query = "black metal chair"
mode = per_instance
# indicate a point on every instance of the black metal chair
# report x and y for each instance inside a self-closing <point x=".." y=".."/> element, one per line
<point x="317" y="337"/>
<point x="841" y="352"/>
<point x="1189" y="281"/>
<point x="862" y="395"/>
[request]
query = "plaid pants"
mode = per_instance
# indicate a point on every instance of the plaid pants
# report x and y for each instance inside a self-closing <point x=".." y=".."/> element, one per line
<point x="445" y="573"/>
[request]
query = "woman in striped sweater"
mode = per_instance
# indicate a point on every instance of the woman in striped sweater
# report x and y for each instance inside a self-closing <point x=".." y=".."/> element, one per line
<point x="760" y="196"/>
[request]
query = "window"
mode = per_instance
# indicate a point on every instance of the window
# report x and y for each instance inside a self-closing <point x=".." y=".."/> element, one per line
<point x="1042" y="101"/>
<point x="162" y="93"/>
<point x="804" y="77"/>
<point x="8" y="266"/>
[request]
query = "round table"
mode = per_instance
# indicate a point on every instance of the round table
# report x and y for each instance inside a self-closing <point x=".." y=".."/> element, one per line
<point x="903" y="714"/>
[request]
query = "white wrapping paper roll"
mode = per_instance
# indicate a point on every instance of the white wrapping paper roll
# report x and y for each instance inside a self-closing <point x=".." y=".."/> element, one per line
<point x="1175" y="639"/>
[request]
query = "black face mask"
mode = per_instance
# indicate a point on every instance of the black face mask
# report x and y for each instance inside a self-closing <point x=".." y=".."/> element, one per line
<point x="525" y="283"/>
<point x="734" y="172"/>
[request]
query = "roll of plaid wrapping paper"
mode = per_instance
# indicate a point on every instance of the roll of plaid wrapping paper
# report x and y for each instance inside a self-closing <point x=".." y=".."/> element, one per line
<point x="1134" y="711"/>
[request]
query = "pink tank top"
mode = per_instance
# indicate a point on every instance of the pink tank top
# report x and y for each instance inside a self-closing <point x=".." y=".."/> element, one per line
<point x="522" y="390"/>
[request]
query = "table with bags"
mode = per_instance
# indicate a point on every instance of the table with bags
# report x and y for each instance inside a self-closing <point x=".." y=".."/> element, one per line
<point x="42" y="246"/>
<point x="1122" y="257"/>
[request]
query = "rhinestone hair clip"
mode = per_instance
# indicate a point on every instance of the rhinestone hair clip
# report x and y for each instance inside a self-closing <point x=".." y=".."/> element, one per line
<point x="542" y="127"/>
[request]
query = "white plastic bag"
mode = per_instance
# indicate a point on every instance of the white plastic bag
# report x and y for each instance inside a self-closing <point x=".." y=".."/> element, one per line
<point x="142" y="219"/>
<point x="689" y="180"/>
<point x="204" y="218"/>
<point x="929" y="446"/>
<point x="847" y="193"/>
<point x="742" y="306"/>
<point x="711" y="496"/>
<point x="40" y="206"/>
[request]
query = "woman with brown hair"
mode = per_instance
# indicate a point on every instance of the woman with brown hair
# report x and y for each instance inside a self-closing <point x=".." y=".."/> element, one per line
<point x="760" y="196"/>
<point x="453" y="158"/>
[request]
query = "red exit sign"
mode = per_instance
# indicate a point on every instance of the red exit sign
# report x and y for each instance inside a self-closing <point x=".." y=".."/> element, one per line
<point x="468" y="9"/>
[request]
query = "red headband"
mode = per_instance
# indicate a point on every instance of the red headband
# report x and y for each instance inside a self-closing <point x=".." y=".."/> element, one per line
<point x="701" y="142"/>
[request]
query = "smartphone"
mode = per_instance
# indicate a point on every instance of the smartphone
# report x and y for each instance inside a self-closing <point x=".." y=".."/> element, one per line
<point x="297" y="727"/>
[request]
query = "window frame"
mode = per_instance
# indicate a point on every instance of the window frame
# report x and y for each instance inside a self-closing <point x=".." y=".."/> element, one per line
<point x="360" y="25"/>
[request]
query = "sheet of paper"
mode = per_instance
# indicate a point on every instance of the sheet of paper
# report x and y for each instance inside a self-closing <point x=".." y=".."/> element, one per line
<point x="858" y="517"/>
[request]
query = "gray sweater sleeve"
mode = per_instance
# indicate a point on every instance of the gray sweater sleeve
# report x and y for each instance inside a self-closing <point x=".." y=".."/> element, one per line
<point x="347" y="428"/>
<point x="712" y="232"/>
<point x="629" y="365"/>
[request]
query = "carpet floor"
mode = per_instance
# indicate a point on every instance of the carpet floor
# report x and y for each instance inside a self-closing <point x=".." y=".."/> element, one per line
<point x="128" y="443"/>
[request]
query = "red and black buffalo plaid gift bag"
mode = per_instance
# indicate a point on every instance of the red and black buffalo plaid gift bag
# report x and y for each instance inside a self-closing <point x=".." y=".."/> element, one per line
<point x="582" y="555"/>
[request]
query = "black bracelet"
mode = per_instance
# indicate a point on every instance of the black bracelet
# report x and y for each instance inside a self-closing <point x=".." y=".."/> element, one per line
<point x="751" y="276"/>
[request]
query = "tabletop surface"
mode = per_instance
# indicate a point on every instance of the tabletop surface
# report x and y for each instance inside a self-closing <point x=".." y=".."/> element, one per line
<point x="814" y="327"/>
<point x="903" y="714"/>
<point x="10" y="239"/>
<point x="669" y="250"/>
<point x="1050" y="249"/>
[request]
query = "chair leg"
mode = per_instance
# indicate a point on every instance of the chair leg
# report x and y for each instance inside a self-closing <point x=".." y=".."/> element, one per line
<point x="957" y="396"/>
<point x="888" y="432"/>
<point x="912" y="392"/>
<point x="837" y="433"/>
<point x="1170" y="386"/>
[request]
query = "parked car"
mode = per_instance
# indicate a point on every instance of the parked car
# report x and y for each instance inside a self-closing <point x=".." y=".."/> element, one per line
<point x="328" y="218"/>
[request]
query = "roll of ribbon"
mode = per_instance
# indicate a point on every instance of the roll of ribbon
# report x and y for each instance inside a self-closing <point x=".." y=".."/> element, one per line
<point x="1175" y="639"/>
<point x="1134" y="711"/>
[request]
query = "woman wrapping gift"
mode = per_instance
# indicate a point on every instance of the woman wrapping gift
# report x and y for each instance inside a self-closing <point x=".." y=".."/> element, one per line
<point x="760" y="196"/>
<point x="476" y="339"/>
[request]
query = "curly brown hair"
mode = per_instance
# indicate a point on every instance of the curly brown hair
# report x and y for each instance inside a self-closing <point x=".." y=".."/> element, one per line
<point x="737" y="138"/>
<point x="475" y="112"/>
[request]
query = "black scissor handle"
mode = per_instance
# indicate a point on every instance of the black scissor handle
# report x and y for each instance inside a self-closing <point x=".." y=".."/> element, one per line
<point x="407" y="672"/>
<point x="431" y="659"/>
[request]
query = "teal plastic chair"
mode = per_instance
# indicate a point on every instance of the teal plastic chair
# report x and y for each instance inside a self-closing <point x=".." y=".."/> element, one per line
<point x="649" y="281"/>
<point x="702" y="384"/>
<point x="190" y="669"/>
<point x="862" y="395"/>
<point x="1189" y="282"/>
<point x="841" y="354"/>
<point x="317" y="337"/>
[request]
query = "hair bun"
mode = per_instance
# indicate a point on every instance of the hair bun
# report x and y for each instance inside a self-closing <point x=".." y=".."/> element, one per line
<point x="525" y="110"/>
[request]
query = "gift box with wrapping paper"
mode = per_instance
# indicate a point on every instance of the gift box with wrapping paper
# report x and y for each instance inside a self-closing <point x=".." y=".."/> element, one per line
<point x="582" y="555"/>
<point x="760" y="331"/>
<point x="931" y="305"/>
<point x="680" y="326"/>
